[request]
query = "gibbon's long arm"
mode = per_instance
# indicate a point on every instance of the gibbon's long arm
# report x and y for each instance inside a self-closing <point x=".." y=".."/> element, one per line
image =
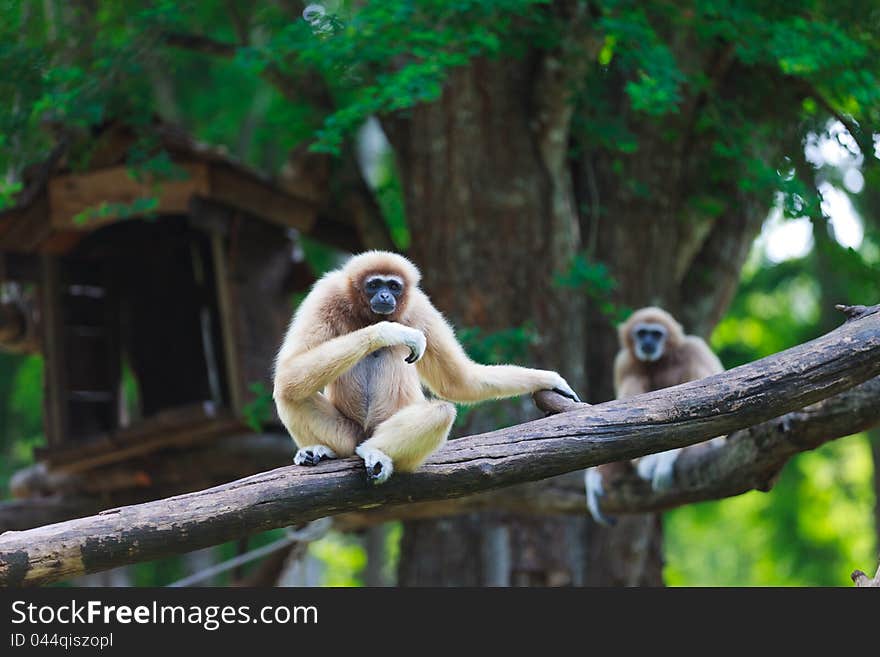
<point x="630" y="386"/>
<point x="299" y="375"/>
<point x="703" y="360"/>
<point x="449" y="373"/>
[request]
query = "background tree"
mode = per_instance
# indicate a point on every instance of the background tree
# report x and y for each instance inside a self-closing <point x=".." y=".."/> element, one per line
<point x="548" y="164"/>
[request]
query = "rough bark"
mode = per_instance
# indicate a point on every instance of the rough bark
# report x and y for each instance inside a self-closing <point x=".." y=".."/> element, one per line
<point x="750" y="459"/>
<point x="493" y="220"/>
<point x="619" y="430"/>
<point x="47" y="496"/>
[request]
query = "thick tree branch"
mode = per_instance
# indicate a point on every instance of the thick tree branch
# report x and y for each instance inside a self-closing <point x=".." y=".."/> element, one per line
<point x="614" y="431"/>
<point x="750" y="459"/>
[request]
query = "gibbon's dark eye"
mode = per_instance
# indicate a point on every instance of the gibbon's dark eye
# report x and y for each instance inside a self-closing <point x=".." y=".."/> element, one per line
<point x="641" y="333"/>
<point x="656" y="334"/>
<point x="372" y="285"/>
<point x="394" y="286"/>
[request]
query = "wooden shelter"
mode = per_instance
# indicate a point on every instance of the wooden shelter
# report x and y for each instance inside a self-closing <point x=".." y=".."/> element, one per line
<point x="158" y="303"/>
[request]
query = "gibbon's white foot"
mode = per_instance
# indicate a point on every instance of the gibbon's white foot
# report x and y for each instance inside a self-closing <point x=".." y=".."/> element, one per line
<point x="392" y="333"/>
<point x="595" y="491"/>
<point x="659" y="469"/>
<point x="313" y="454"/>
<point x="378" y="464"/>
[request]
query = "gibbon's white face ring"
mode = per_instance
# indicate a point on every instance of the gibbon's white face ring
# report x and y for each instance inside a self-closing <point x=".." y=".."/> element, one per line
<point x="649" y="341"/>
<point x="649" y="358"/>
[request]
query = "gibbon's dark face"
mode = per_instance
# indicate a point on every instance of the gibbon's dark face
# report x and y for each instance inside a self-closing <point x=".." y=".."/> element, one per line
<point x="649" y="339"/>
<point x="383" y="292"/>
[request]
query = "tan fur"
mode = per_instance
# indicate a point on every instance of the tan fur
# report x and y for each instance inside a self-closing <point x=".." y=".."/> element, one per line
<point x="685" y="358"/>
<point x="341" y="377"/>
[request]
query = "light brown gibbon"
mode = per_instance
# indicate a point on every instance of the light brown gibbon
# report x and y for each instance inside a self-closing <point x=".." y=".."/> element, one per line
<point x="349" y="375"/>
<point x="654" y="353"/>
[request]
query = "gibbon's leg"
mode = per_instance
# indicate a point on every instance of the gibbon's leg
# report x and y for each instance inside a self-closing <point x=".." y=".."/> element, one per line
<point x="319" y="430"/>
<point x="406" y="439"/>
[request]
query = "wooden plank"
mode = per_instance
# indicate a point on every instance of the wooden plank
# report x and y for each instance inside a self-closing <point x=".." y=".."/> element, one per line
<point x="227" y="309"/>
<point x="52" y="340"/>
<point x="23" y="229"/>
<point x="60" y="242"/>
<point x="182" y="426"/>
<point x="89" y="313"/>
<point x="182" y="436"/>
<point x="171" y="418"/>
<point x="45" y="496"/>
<point x="244" y="191"/>
<point x="71" y="194"/>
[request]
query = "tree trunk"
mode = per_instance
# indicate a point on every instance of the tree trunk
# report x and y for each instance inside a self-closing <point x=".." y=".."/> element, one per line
<point x="492" y="222"/>
<point x="491" y="197"/>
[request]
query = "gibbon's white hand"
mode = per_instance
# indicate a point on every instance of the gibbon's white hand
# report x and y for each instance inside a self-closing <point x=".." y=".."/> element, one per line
<point x="392" y="334"/>
<point x="561" y="387"/>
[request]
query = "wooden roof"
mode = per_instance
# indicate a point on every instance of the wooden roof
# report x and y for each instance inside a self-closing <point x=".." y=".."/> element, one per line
<point x="43" y="220"/>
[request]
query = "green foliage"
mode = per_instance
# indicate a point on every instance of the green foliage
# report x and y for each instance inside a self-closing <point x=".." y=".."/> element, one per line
<point x="815" y="525"/>
<point x="320" y="257"/>
<point x="655" y="88"/>
<point x="141" y="207"/>
<point x="493" y="347"/>
<point x="8" y="190"/>
<point x="258" y="411"/>
<point x="389" y="196"/>
<point x="343" y="557"/>
<point x="593" y="278"/>
<point x="358" y="50"/>
<point x="21" y="418"/>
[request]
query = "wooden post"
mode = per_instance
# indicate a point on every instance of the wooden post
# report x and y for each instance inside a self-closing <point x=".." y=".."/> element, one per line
<point x="55" y="415"/>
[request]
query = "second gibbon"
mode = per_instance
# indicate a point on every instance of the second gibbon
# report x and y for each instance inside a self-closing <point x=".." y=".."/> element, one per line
<point x="654" y="353"/>
<point x="349" y="375"/>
